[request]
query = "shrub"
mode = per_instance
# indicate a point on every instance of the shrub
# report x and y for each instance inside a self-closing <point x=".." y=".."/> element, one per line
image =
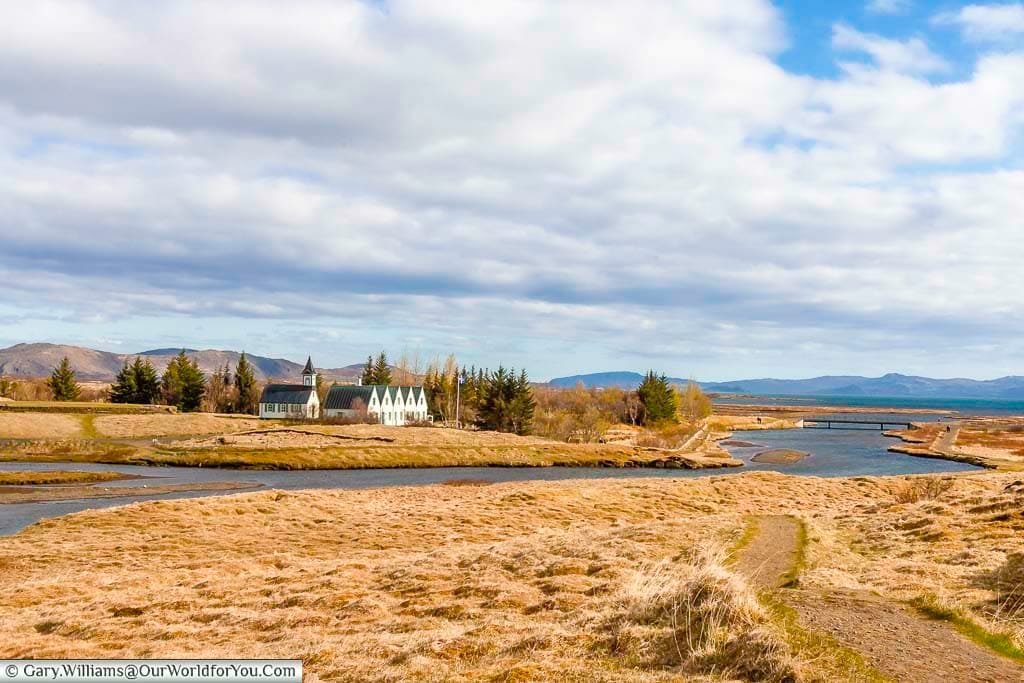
<point x="668" y="435"/>
<point x="929" y="488"/>
<point x="578" y="415"/>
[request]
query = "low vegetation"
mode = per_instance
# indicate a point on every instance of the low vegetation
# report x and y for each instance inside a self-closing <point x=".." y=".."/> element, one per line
<point x="662" y="415"/>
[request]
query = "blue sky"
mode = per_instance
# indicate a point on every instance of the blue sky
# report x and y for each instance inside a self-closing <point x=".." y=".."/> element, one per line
<point x="716" y="190"/>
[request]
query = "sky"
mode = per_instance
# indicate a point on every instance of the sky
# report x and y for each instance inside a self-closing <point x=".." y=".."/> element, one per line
<point x="717" y="190"/>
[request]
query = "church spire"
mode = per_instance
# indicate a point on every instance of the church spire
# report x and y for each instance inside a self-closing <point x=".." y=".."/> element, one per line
<point x="309" y="373"/>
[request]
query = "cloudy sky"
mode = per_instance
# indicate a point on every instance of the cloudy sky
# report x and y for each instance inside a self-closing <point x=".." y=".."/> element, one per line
<point x="715" y="189"/>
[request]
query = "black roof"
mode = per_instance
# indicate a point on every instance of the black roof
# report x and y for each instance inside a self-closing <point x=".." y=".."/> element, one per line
<point x="287" y="393"/>
<point x="308" y="370"/>
<point x="340" y="396"/>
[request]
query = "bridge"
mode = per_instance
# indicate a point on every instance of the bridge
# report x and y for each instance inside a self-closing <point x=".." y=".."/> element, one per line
<point x="828" y="423"/>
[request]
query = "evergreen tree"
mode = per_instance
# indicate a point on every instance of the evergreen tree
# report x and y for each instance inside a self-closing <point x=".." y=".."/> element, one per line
<point x="368" y="374"/>
<point x="658" y="398"/>
<point x="247" y="396"/>
<point x="62" y="382"/>
<point x="497" y="394"/>
<point x="124" y="387"/>
<point x="147" y="382"/>
<point x="184" y="383"/>
<point x="523" y="405"/>
<point x="381" y="370"/>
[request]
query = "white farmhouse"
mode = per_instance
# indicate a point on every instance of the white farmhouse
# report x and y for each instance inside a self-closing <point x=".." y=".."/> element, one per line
<point x="389" y="405"/>
<point x="295" y="401"/>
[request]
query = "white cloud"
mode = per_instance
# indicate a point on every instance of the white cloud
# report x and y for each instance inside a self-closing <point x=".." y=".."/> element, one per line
<point x="578" y="177"/>
<point x="889" y="6"/>
<point x="910" y="56"/>
<point x="986" y="23"/>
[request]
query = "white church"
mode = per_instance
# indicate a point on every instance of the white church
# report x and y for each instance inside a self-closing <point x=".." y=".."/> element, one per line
<point x="292" y="401"/>
<point x="389" y="405"/>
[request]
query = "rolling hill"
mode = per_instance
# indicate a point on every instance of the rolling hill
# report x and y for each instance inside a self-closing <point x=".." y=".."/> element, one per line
<point x="38" y="360"/>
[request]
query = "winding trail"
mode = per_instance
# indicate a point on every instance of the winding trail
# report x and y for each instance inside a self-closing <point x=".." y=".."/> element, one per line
<point x="890" y="636"/>
<point x="947" y="439"/>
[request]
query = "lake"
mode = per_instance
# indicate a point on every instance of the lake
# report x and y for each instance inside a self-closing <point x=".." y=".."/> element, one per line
<point x="967" y="407"/>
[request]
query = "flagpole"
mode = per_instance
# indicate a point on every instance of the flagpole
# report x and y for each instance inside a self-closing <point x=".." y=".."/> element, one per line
<point x="458" y="396"/>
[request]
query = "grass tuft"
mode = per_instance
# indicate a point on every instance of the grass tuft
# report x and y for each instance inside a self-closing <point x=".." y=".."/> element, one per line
<point x="701" y="617"/>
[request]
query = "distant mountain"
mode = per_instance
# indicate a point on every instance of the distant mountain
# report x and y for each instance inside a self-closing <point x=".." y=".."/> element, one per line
<point x="623" y="380"/>
<point x="165" y="352"/>
<point x="38" y="360"/>
<point x="887" y="386"/>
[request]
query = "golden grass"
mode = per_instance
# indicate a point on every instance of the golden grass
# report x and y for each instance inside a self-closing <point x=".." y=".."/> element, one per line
<point x="361" y="455"/>
<point x="584" y="580"/>
<point x="71" y="450"/>
<point x="187" y="424"/>
<point x="239" y="442"/>
<point x="993" y="439"/>
<point x="49" y="494"/>
<point x="953" y="539"/>
<point x="53" y="477"/>
<point x="504" y="582"/>
<point x="77" y="407"/>
<point x="728" y="423"/>
<point x="38" y="426"/>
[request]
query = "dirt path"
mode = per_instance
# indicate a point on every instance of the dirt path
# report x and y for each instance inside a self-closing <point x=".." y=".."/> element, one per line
<point x="893" y="638"/>
<point x="769" y="557"/>
<point x="947" y="439"/>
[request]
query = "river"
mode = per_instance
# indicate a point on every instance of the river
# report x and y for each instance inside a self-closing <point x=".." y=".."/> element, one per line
<point x="834" y="453"/>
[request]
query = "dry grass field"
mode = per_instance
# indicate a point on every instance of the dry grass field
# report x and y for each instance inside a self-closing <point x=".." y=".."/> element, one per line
<point x="586" y="581"/>
<point x="239" y="442"/>
<point x="148" y="426"/>
<point x="53" y="425"/>
<point x="39" y="426"/>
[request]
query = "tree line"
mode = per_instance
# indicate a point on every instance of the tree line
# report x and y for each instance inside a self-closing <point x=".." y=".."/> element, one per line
<point x="182" y="385"/>
<point x="500" y="400"/>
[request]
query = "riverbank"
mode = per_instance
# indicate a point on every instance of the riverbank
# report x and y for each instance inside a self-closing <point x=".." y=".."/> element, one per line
<point x="517" y="581"/>
<point x="996" y="444"/>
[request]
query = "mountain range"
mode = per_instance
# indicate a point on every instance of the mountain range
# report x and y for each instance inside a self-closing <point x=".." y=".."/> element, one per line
<point x="38" y="360"/>
<point x="888" y="386"/>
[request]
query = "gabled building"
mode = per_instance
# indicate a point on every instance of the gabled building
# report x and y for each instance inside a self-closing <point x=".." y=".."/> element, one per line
<point x="389" y="405"/>
<point x="295" y="401"/>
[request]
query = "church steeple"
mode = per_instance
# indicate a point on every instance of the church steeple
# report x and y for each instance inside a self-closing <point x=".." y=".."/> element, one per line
<point x="309" y="373"/>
